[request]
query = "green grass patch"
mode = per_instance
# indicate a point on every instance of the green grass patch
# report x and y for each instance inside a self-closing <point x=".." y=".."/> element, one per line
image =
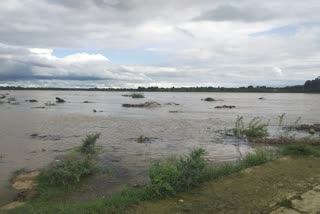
<point x="301" y="150"/>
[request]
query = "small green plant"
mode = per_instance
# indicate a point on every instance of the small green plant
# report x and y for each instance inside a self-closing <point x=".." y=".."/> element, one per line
<point x="137" y="95"/>
<point x="67" y="172"/>
<point x="285" y="203"/>
<point x="89" y="144"/>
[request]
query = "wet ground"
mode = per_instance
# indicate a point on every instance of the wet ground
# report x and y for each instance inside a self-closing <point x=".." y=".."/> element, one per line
<point x="255" y="190"/>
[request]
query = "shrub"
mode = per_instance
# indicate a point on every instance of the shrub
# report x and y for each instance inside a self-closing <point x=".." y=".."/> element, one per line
<point x="174" y="175"/>
<point x="89" y="144"/>
<point x="67" y="172"/>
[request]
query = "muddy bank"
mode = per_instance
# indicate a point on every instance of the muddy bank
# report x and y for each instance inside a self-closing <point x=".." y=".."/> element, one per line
<point x="255" y="190"/>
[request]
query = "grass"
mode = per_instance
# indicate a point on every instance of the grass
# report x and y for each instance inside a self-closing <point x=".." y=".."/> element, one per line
<point x="301" y="150"/>
<point x="89" y="144"/>
<point x="255" y="128"/>
<point x="67" y="172"/>
<point x="73" y="167"/>
<point x="167" y="178"/>
<point x="285" y="203"/>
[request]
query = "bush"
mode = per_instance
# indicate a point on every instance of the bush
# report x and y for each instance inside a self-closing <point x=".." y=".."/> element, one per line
<point x="89" y="144"/>
<point x="67" y="172"/>
<point x="174" y="175"/>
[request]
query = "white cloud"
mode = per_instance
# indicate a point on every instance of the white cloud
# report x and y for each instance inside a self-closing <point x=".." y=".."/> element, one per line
<point x="191" y="42"/>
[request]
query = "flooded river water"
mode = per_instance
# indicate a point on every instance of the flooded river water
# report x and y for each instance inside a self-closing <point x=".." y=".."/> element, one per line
<point x="194" y="123"/>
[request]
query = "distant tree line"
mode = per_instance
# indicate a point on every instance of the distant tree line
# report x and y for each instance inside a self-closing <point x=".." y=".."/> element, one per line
<point x="311" y="86"/>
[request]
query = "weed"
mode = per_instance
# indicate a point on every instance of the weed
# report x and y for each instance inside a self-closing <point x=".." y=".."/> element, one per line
<point x="285" y="203"/>
<point x="66" y="172"/>
<point x="89" y="144"/>
<point x="255" y="128"/>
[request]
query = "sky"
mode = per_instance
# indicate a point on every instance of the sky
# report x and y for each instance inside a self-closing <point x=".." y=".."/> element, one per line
<point x="165" y="43"/>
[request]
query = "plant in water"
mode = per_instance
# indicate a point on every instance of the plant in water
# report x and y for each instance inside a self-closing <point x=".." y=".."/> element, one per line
<point x="254" y="129"/>
<point x="142" y="139"/>
<point x="281" y="119"/>
<point x="67" y="172"/>
<point x="239" y="127"/>
<point x="137" y="95"/>
<point x="89" y="144"/>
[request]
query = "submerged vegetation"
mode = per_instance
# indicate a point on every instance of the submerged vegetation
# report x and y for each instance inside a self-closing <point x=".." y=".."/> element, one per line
<point x="73" y="167"/>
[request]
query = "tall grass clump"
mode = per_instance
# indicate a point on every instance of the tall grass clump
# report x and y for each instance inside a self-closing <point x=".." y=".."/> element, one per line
<point x="89" y="144"/>
<point x="72" y="167"/>
<point x="255" y="128"/>
<point x="67" y="172"/>
<point x="178" y="174"/>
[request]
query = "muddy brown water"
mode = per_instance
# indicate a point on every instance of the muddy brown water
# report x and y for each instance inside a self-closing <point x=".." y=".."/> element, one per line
<point x="196" y="124"/>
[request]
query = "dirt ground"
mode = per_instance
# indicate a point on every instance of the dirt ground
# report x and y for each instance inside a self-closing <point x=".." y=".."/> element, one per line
<point x="287" y="185"/>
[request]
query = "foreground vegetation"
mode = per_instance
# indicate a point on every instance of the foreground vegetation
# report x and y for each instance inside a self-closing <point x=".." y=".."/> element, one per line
<point x="167" y="178"/>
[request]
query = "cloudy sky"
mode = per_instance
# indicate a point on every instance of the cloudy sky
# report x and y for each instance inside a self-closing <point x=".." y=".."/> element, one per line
<point x="130" y="43"/>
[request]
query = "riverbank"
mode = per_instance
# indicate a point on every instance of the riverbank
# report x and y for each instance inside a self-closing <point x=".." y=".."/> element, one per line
<point x="273" y="187"/>
<point x="242" y="188"/>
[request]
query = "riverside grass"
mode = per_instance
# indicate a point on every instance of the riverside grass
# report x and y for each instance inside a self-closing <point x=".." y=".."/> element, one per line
<point x="193" y="169"/>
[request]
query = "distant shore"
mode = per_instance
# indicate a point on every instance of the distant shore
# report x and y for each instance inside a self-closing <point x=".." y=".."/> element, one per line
<point x="291" y="89"/>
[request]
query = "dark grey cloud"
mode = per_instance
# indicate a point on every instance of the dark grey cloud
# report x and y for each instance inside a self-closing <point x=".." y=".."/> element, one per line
<point x="228" y="12"/>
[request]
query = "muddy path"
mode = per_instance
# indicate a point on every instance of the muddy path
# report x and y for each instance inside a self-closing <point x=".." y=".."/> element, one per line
<point x="255" y="190"/>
